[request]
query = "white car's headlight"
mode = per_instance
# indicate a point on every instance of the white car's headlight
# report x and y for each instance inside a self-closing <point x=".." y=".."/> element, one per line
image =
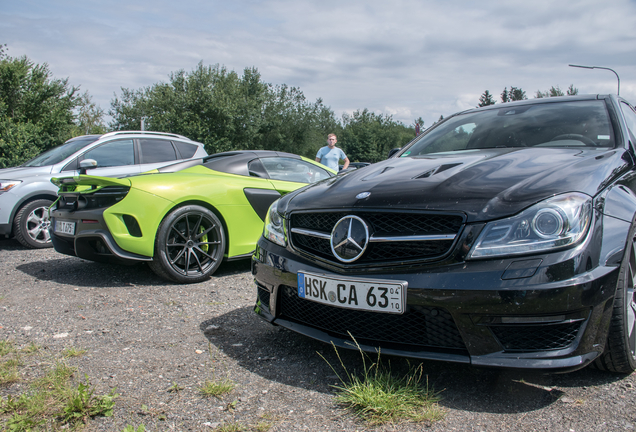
<point x="5" y="185"/>
<point x="557" y="222"/>
<point x="274" y="229"/>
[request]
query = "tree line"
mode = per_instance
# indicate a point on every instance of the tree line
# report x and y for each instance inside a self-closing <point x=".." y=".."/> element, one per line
<point x="222" y="109"/>
<point x="516" y="94"/>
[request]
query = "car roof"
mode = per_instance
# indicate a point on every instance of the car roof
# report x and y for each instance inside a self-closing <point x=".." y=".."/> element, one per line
<point x="536" y="101"/>
<point x="234" y="162"/>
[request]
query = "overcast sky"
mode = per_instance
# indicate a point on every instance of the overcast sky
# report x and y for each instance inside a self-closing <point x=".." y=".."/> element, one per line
<point x="405" y="58"/>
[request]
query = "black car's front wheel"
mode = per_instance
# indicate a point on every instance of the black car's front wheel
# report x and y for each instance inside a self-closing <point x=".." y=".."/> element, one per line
<point x="189" y="246"/>
<point x="620" y="349"/>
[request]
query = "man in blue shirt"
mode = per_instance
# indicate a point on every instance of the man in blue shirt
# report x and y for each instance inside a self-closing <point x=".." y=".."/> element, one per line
<point x="329" y="155"/>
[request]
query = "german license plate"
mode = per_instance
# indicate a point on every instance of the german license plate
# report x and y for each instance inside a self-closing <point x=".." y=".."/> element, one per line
<point x="65" y="227"/>
<point x="367" y="294"/>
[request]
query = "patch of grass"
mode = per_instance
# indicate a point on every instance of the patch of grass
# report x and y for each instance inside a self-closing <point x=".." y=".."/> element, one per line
<point x="52" y="401"/>
<point x="378" y="396"/>
<point x="263" y="426"/>
<point x="6" y="347"/>
<point x="31" y="348"/>
<point x="10" y="362"/>
<point x="9" y="372"/>
<point x="81" y="403"/>
<point x="217" y="388"/>
<point x="231" y="427"/>
<point x="175" y="388"/>
<point x="73" y="352"/>
<point x="130" y="428"/>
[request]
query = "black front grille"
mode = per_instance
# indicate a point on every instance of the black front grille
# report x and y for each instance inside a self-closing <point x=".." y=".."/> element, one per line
<point x="536" y="337"/>
<point x="419" y="327"/>
<point x="381" y="224"/>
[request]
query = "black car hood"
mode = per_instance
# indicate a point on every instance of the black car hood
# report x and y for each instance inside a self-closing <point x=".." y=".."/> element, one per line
<point x="484" y="184"/>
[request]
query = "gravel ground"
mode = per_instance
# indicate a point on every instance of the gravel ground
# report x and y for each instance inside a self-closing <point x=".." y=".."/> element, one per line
<point x="145" y="337"/>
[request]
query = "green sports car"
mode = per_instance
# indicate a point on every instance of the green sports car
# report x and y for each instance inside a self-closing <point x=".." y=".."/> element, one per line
<point x="183" y="219"/>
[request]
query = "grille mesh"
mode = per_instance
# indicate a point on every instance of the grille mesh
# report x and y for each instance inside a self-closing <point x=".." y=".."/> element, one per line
<point x="420" y="327"/>
<point x="536" y="337"/>
<point x="381" y="224"/>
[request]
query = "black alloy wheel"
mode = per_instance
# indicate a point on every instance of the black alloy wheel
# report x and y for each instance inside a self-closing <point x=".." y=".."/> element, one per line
<point x="189" y="246"/>
<point x="31" y="224"/>
<point x="620" y="349"/>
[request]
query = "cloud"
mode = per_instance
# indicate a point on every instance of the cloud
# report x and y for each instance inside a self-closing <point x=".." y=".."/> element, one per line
<point x="407" y="59"/>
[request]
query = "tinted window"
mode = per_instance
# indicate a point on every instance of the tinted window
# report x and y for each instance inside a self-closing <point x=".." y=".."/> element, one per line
<point x="113" y="153"/>
<point x="186" y="150"/>
<point x="563" y="124"/>
<point x="155" y="150"/>
<point x="59" y="153"/>
<point x="293" y="170"/>
<point x="630" y="119"/>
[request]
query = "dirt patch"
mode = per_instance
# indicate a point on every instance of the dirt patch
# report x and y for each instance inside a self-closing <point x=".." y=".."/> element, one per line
<point x="157" y="343"/>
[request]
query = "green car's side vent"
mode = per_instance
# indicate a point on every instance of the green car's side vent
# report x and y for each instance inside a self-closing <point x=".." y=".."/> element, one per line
<point x="132" y="225"/>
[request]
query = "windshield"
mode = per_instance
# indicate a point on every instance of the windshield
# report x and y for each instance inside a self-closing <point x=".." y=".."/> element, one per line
<point x="58" y="154"/>
<point x="562" y="124"/>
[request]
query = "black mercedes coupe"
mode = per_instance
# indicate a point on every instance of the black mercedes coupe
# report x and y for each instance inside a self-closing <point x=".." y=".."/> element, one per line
<point x="502" y="236"/>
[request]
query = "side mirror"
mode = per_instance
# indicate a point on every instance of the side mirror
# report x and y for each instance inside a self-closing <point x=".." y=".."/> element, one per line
<point x="394" y="151"/>
<point x="87" y="164"/>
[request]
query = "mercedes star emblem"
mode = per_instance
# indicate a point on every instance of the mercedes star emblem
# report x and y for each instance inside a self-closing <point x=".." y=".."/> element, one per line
<point x="349" y="238"/>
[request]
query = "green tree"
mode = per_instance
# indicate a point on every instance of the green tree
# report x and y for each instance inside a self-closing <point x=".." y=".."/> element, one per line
<point x="556" y="91"/>
<point x="89" y="118"/>
<point x="226" y="111"/>
<point x="36" y="110"/>
<point x="516" y="94"/>
<point x="486" y="99"/>
<point x="505" y="97"/>
<point x="368" y="137"/>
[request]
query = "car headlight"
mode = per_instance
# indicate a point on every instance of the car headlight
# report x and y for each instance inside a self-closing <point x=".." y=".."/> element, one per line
<point x="274" y="230"/>
<point x="557" y="222"/>
<point x="5" y="185"/>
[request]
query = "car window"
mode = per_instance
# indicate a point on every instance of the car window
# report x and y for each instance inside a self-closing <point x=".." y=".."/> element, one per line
<point x="113" y="153"/>
<point x="556" y="124"/>
<point x="156" y="150"/>
<point x="630" y="119"/>
<point x="186" y="150"/>
<point x="59" y="153"/>
<point x="293" y="170"/>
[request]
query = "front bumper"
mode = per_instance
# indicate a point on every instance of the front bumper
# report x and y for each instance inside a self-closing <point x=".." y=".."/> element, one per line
<point x="540" y="312"/>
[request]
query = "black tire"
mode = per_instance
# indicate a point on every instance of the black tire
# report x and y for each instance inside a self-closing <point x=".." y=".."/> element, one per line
<point x="620" y="349"/>
<point x="189" y="246"/>
<point x="31" y="224"/>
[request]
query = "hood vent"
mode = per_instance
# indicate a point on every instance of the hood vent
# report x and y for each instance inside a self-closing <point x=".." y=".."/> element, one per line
<point x="437" y="170"/>
<point x="377" y="173"/>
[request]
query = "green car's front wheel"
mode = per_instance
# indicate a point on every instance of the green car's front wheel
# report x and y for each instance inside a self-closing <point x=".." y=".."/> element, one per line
<point x="189" y="246"/>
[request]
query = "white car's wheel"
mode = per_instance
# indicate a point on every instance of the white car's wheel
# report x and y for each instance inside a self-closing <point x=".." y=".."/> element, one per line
<point x="31" y="224"/>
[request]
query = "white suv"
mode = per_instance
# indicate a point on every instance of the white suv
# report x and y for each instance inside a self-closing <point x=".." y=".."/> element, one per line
<point x="26" y="191"/>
